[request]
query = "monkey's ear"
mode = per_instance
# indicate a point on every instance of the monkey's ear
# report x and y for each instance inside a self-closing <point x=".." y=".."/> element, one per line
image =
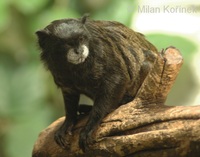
<point x="42" y="37"/>
<point x="84" y="18"/>
<point x="42" y="34"/>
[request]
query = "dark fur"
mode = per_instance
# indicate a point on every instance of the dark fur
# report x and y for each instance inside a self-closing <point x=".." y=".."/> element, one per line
<point x="118" y="62"/>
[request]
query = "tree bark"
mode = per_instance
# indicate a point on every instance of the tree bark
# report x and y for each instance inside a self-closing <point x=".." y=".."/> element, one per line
<point x="144" y="127"/>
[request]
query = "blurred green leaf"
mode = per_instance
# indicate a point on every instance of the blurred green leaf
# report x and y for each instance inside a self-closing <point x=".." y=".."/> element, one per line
<point x="50" y="15"/>
<point x="185" y="81"/>
<point x="4" y="92"/>
<point x="4" y="14"/>
<point x="28" y="7"/>
<point x="27" y="89"/>
<point x="22" y="135"/>
<point x="186" y="46"/>
<point x="22" y="100"/>
<point x="117" y="11"/>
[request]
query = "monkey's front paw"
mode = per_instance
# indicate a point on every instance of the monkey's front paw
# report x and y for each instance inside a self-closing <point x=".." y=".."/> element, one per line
<point x="85" y="139"/>
<point x="61" y="136"/>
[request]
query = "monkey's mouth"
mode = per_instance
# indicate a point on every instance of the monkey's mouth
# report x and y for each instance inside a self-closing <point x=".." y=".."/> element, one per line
<point x="77" y="57"/>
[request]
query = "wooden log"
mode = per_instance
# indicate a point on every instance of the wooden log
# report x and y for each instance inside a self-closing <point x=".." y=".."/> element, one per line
<point x="144" y="127"/>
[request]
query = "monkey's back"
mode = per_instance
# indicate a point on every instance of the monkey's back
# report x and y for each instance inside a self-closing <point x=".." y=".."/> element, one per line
<point x="125" y="47"/>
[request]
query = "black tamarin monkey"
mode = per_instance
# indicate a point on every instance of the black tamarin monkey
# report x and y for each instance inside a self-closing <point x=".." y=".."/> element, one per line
<point x="104" y="60"/>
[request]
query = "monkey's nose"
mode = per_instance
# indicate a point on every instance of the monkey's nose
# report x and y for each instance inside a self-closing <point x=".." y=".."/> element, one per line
<point x="79" y="51"/>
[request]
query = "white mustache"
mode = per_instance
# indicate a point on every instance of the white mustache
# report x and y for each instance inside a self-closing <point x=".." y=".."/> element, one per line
<point x="77" y="58"/>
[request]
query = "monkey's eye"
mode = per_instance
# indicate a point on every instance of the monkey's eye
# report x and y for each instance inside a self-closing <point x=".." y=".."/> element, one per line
<point x="70" y="43"/>
<point x="81" y="39"/>
<point x="67" y="46"/>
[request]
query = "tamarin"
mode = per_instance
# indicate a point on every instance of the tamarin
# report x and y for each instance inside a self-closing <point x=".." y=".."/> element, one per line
<point x="105" y="60"/>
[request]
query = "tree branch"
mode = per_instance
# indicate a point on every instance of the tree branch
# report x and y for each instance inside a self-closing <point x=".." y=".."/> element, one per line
<point x="144" y="127"/>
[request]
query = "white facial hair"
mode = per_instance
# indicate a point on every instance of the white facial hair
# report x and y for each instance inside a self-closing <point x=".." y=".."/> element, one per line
<point x="75" y="58"/>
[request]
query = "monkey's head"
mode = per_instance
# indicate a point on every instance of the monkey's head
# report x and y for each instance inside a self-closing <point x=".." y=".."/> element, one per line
<point x="66" y="38"/>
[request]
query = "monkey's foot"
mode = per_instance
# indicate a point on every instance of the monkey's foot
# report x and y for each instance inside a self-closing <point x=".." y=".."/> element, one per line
<point x="60" y="135"/>
<point x="85" y="139"/>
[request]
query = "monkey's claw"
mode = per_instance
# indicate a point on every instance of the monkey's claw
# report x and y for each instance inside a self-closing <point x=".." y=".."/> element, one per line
<point x="61" y="135"/>
<point x="60" y="140"/>
<point x="85" y="140"/>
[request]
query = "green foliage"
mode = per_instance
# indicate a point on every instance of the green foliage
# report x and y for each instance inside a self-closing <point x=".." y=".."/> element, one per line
<point x="117" y="11"/>
<point x="186" y="46"/>
<point x="22" y="103"/>
<point x="29" y="7"/>
<point x="3" y="13"/>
